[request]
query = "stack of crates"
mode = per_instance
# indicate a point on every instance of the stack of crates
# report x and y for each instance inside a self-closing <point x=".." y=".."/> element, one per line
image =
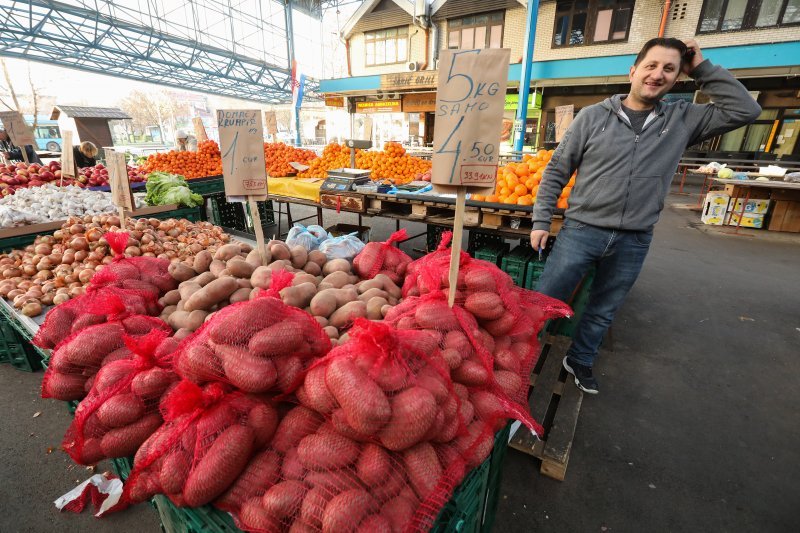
<point x="235" y="215"/>
<point x="566" y="326"/>
<point x="515" y="263"/>
<point x="16" y="350"/>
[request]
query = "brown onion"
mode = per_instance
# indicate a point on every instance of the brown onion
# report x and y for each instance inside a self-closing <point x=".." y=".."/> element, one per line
<point x="61" y="297"/>
<point x="79" y="243"/>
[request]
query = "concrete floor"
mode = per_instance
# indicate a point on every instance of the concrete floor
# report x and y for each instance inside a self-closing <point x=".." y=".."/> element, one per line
<point x="695" y="429"/>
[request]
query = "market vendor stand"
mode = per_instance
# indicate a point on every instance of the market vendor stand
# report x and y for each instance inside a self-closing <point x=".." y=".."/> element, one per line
<point x="784" y="215"/>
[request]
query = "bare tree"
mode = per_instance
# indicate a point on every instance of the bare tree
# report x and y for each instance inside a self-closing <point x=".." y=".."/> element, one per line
<point x="10" y="88"/>
<point x="153" y="109"/>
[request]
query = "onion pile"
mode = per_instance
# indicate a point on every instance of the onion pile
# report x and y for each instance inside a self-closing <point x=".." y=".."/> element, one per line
<point x="57" y="267"/>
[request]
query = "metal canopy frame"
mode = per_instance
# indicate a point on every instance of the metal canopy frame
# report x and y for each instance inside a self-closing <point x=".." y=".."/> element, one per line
<point x="236" y="48"/>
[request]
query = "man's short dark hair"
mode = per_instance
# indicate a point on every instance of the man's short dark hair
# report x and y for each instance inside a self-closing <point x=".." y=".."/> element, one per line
<point x="666" y="42"/>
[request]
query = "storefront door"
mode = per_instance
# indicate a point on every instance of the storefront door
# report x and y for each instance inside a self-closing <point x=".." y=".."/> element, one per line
<point x="786" y="142"/>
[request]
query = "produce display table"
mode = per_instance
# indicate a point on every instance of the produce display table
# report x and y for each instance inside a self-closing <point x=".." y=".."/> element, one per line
<point x="784" y="209"/>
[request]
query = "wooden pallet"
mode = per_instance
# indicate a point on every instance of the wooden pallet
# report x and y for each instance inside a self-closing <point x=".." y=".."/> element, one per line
<point x="555" y="403"/>
<point x="511" y="221"/>
<point x="421" y="210"/>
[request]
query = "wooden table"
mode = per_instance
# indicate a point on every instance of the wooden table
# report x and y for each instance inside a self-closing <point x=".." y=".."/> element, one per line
<point x="785" y="214"/>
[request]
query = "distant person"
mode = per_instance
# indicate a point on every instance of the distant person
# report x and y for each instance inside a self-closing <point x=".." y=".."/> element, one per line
<point x="185" y="142"/>
<point x="13" y="153"/>
<point x="85" y="154"/>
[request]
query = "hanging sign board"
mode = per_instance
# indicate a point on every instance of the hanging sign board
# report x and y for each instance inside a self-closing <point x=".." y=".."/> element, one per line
<point x="19" y="132"/>
<point x="67" y="157"/>
<point x="378" y="106"/>
<point x="121" y="194"/>
<point x="425" y="79"/>
<point x="564" y="116"/>
<point x="419" y="102"/>
<point x="334" y="101"/>
<point x="271" y="120"/>
<point x="241" y="139"/>
<point x="199" y="129"/>
<point x="469" y="118"/>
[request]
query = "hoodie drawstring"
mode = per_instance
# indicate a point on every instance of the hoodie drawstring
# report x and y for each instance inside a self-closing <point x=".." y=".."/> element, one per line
<point x="610" y="111"/>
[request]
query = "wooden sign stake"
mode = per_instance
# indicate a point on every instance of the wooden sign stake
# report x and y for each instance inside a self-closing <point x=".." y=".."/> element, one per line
<point x="261" y="245"/>
<point x="455" y="244"/>
<point x="121" y="211"/>
<point x="25" y="155"/>
<point x="67" y="158"/>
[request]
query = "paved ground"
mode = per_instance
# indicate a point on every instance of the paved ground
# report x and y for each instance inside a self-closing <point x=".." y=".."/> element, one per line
<point x="696" y="427"/>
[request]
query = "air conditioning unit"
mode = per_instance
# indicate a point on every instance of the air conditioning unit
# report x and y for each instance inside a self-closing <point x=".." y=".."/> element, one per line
<point x="413" y="66"/>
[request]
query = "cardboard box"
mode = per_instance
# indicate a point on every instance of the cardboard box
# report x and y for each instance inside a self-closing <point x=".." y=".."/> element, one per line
<point x="749" y="220"/>
<point x="715" y="208"/>
<point x="785" y="217"/>
<point x="755" y="207"/>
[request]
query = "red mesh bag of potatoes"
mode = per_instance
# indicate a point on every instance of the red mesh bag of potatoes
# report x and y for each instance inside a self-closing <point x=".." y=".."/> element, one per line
<point x="76" y="360"/>
<point x="121" y="410"/>
<point x="95" y="306"/>
<point x="139" y="273"/>
<point x="383" y="258"/>
<point x="257" y="346"/>
<point x="373" y="445"/>
<point x="208" y="437"/>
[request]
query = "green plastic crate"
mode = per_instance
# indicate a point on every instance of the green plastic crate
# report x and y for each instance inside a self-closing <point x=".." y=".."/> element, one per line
<point x="434" y="236"/>
<point x="17" y="243"/>
<point x="515" y="262"/>
<point x="227" y="214"/>
<point x="534" y="272"/>
<point x="479" y="239"/>
<point x="494" y="477"/>
<point x="267" y="213"/>
<point x="207" y="186"/>
<point x="192" y="214"/>
<point x="566" y="326"/>
<point x="492" y="253"/>
<point x="16" y="350"/>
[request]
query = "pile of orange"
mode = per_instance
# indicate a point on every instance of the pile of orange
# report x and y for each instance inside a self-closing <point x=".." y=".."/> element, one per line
<point x="518" y="182"/>
<point x="392" y="163"/>
<point x="277" y="157"/>
<point x="206" y="161"/>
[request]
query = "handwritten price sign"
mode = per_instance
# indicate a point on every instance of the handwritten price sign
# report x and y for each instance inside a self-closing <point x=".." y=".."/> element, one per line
<point x="241" y="136"/>
<point x="469" y="117"/>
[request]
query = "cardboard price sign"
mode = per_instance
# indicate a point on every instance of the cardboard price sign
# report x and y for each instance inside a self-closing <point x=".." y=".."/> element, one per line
<point x="199" y="129"/>
<point x="564" y="116"/>
<point x="272" y="122"/>
<point x="469" y="118"/>
<point x="121" y="194"/>
<point x="19" y="132"/>
<point x="241" y="136"/>
<point x="67" y="157"/>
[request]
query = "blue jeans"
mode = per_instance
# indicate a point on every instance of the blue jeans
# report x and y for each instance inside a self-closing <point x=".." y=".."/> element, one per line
<point x="618" y="256"/>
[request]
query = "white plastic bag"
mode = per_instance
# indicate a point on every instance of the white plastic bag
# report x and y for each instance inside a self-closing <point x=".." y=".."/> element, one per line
<point x="308" y="237"/>
<point x="343" y="247"/>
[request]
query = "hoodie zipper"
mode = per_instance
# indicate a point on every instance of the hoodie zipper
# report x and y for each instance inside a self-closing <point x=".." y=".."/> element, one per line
<point x="630" y="177"/>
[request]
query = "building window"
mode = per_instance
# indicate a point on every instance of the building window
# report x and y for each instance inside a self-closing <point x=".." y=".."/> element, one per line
<point x="730" y="15"/>
<point x="385" y="47"/>
<point x="477" y="31"/>
<point x="580" y="22"/>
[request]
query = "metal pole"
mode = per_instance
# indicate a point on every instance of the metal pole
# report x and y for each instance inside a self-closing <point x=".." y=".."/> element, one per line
<point x="290" y="49"/>
<point x="525" y="81"/>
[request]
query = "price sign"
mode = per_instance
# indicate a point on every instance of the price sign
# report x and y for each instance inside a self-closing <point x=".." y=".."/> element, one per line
<point x="121" y="194"/>
<point x="469" y="118"/>
<point x="199" y="129"/>
<point x="272" y="122"/>
<point x="67" y="157"/>
<point x="19" y="132"/>
<point x="241" y="136"/>
<point x="564" y="116"/>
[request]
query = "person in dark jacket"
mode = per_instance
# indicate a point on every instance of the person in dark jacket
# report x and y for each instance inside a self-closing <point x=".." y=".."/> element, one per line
<point x="14" y="153"/>
<point x="85" y="154"/>
<point x="625" y="150"/>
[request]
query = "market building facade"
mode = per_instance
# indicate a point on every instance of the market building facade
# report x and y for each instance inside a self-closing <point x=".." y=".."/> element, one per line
<point x="583" y="51"/>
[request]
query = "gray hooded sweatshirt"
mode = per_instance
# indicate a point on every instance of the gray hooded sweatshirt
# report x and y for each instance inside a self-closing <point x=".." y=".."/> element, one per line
<point x="623" y="178"/>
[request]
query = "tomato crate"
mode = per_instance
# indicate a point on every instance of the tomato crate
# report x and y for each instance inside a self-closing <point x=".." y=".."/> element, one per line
<point x="515" y="262"/>
<point x="492" y="253"/>
<point x="16" y="350"/>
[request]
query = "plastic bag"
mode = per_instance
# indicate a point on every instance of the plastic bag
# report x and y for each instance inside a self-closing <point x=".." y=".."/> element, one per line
<point x="257" y="346"/>
<point x="308" y="237"/>
<point x="343" y="247"/>
<point x="208" y="438"/>
<point x="121" y="409"/>
<point x="383" y="257"/>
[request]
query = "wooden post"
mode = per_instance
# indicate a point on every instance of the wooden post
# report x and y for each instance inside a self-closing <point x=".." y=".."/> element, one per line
<point x="67" y="159"/>
<point x="455" y="245"/>
<point x="261" y="245"/>
<point x="24" y="151"/>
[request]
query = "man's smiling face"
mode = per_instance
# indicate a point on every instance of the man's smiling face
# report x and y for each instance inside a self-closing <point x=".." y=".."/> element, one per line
<point x="655" y="75"/>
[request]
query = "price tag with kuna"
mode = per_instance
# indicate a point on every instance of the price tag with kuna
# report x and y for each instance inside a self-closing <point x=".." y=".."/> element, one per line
<point x="121" y="194"/>
<point x="67" y="157"/>
<point x="470" y="101"/>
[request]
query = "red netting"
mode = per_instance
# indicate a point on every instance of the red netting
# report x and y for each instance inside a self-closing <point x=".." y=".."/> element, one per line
<point x="383" y="258"/>
<point x="257" y="346"/>
<point x="97" y="305"/>
<point x="121" y="410"/>
<point x="77" y="359"/>
<point x="207" y="440"/>
<point x="141" y="273"/>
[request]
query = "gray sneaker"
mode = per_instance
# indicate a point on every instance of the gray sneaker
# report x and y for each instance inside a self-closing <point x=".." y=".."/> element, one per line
<point x="584" y="379"/>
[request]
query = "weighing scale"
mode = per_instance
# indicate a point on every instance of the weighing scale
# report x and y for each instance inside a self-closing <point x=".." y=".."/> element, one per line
<point x="346" y="179"/>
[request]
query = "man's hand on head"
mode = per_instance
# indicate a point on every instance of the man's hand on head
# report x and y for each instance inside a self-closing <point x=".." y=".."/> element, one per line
<point x="695" y="60"/>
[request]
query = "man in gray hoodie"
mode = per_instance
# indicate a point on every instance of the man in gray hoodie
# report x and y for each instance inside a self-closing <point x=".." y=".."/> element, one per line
<point x="625" y="150"/>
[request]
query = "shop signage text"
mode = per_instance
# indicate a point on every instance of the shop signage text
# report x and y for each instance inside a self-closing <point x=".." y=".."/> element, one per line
<point x="425" y="79"/>
<point x="378" y="106"/>
<point x="419" y="102"/>
<point x="534" y="101"/>
<point x="334" y="101"/>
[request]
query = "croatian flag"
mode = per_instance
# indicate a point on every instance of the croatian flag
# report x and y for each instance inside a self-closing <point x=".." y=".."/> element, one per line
<point x="298" y="85"/>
